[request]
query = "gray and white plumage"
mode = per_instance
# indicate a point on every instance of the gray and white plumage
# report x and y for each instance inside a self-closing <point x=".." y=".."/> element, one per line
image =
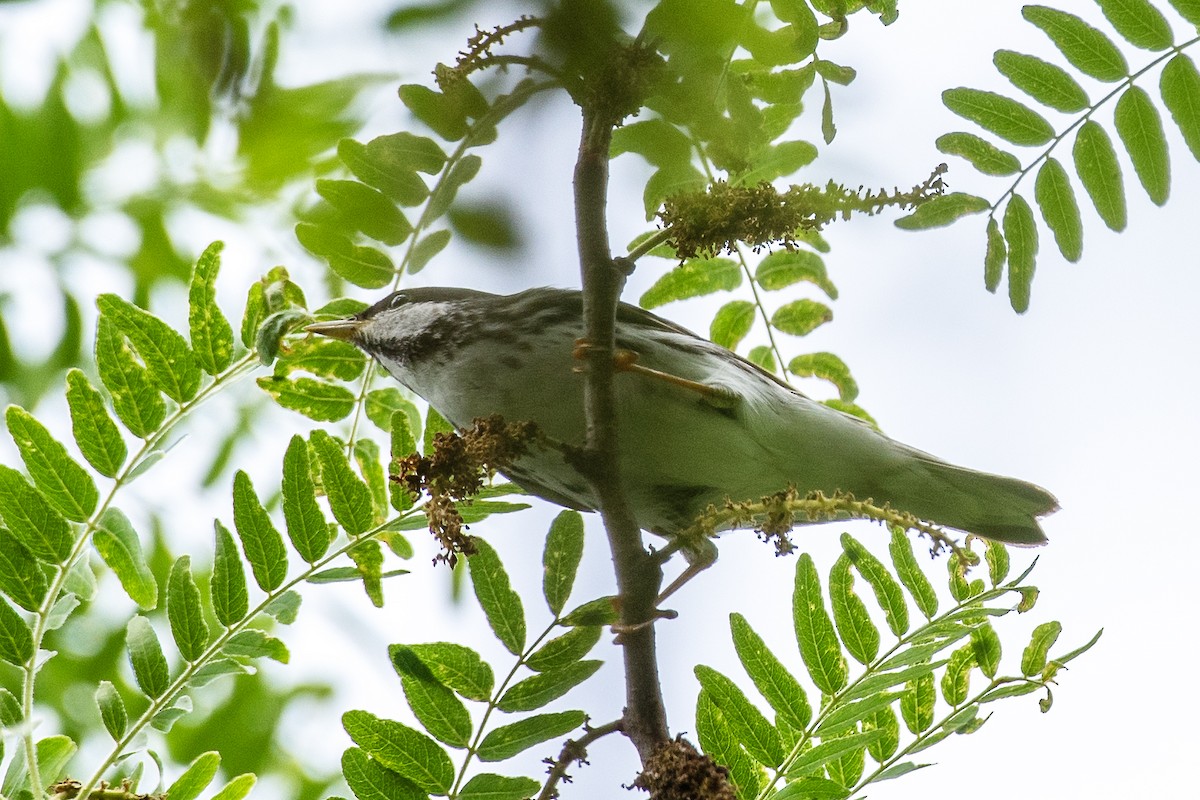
<point x="679" y="452"/>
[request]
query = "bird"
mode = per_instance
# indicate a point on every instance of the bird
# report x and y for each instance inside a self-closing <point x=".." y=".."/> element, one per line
<point x="698" y="425"/>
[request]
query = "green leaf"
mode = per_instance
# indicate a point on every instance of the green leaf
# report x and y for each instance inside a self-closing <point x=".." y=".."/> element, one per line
<point x="814" y="631"/>
<point x="986" y="644"/>
<point x="719" y="744"/>
<point x="93" y="429"/>
<point x="668" y="181"/>
<point x="237" y="788"/>
<point x="887" y="591"/>
<point x="994" y="257"/>
<point x="896" y="770"/>
<point x="500" y="603"/>
<point x="854" y="624"/>
<point x="828" y="129"/>
<point x="560" y="560"/>
<point x="956" y="680"/>
<point x="1141" y="131"/>
<point x="731" y="323"/>
<point x="460" y="174"/>
<point x="983" y="155"/>
<point x="112" y="710"/>
<point x="545" y="687"/>
<point x="166" y="717"/>
<point x="508" y="740"/>
<point x="487" y="786"/>
<point x="196" y="777"/>
<point x="778" y="161"/>
<point x="916" y="706"/>
<point x="285" y="607"/>
<point x="315" y="399"/>
<point x="1033" y="659"/>
<point x="306" y="525"/>
<point x="1008" y="690"/>
<point x="16" y="641"/>
<point x="763" y="356"/>
<point x="784" y="268"/>
<point x="170" y="365"/>
<point x="119" y="546"/>
<point x="445" y="117"/>
<point x="1188" y="9"/>
<point x="826" y="366"/>
<point x="1088" y="49"/>
<point x="253" y="643"/>
<point x="942" y="210"/>
<point x="32" y="520"/>
<point x="383" y="403"/>
<point x="773" y="680"/>
<point x="390" y="164"/>
<point x="486" y="224"/>
<point x="745" y="721"/>
<point x="1096" y="163"/>
<point x="10" y="710"/>
<point x="368" y="459"/>
<point x="370" y="780"/>
<point x="146" y="657"/>
<point x="801" y="317"/>
<point x="1020" y="232"/>
<point x="1047" y="83"/>
<point x="366" y="209"/>
<point x="229" y="596"/>
<point x="362" y="266"/>
<point x="261" y="543"/>
<point x="827" y="751"/>
<point x="564" y="650"/>
<point x="368" y="562"/>
<point x="997" y="561"/>
<point x="326" y="358"/>
<point x="601" y="611"/>
<point x="453" y="665"/>
<point x="349" y="497"/>
<point x="1056" y="199"/>
<point x="426" y="249"/>
<point x="185" y="612"/>
<point x="1139" y="22"/>
<point x="137" y="403"/>
<point x="694" y="278"/>
<point x="885" y="720"/>
<point x="656" y="140"/>
<point x="398" y="747"/>
<point x="21" y="576"/>
<point x="65" y="484"/>
<point x="53" y="755"/>
<point x="212" y="336"/>
<point x="1180" y="87"/>
<point x="438" y="710"/>
<point x="1003" y="116"/>
<point x="843" y="717"/>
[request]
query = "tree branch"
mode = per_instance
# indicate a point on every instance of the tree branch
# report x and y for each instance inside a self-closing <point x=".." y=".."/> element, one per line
<point x="638" y="575"/>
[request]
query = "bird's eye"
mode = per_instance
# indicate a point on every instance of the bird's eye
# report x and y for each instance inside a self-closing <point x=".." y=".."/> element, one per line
<point x="398" y="299"/>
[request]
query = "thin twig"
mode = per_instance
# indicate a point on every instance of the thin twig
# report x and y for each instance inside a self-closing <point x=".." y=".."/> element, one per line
<point x="574" y="750"/>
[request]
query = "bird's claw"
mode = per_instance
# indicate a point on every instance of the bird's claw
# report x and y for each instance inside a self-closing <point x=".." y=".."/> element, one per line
<point x="625" y="360"/>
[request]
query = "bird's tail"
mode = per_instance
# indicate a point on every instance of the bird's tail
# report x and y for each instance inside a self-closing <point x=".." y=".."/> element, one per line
<point x="991" y="506"/>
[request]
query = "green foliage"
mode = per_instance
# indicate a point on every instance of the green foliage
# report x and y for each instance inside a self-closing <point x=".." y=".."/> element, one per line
<point x="1136" y="119"/>
<point x="822" y="753"/>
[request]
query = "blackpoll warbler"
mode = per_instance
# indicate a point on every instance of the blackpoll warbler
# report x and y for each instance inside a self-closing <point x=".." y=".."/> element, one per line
<point x="698" y="424"/>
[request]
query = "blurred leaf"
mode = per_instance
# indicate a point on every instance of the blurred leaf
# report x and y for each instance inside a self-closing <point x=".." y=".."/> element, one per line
<point x="667" y="181"/>
<point x="779" y="161"/>
<point x="445" y="117"/>
<point x="508" y="740"/>
<point x="1088" y="49"/>
<point x="408" y="752"/>
<point x="261" y="543"/>
<point x="119" y="546"/>
<point x="390" y="164"/>
<point x="485" y="224"/>
<point x="65" y="484"/>
<point x="426" y="249"/>
<point x="732" y="322"/>
<point x="146" y="657"/>
<point x="656" y="140"/>
<point x="501" y="605"/>
<point x="463" y="171"/>
<point x="366" y="209"/>
<point x="362" y="266"/>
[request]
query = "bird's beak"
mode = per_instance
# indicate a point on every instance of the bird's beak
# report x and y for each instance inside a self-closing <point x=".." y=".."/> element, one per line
<point x="343" y="329"/>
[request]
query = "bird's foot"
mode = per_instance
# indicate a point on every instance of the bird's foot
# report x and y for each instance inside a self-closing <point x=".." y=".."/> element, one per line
<point x="625" y="360"/>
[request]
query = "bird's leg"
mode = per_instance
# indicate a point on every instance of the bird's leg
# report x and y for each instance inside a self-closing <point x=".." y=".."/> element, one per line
<point x="625" y="360"/>
<point x="698" y="558"/>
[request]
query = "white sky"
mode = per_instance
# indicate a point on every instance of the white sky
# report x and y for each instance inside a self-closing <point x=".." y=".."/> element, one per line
<point x="1051" y="396"/>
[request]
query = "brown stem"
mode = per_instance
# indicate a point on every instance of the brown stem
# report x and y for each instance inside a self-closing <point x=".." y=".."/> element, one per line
<point x="573" y="750"/>
<point x="638" y="575"/>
